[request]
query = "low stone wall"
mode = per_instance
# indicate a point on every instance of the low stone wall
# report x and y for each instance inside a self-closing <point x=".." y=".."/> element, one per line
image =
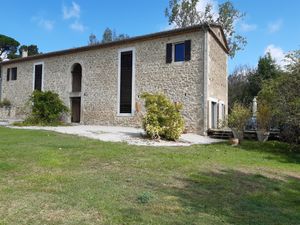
<point x="7" y="113"/>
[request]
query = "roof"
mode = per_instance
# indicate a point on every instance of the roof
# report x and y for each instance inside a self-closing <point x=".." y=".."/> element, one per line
<point x="128" y="41"/>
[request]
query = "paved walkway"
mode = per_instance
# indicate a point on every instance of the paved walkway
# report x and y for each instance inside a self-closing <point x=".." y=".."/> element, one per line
<point x="132" y="136"/>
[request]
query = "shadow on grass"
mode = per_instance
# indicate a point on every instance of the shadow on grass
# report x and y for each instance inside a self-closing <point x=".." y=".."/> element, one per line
<point x="239" y="198"/>
<point x="280" y="150"/>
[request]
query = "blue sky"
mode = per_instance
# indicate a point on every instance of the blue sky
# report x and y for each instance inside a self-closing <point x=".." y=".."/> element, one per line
<point x="269" y="25"/>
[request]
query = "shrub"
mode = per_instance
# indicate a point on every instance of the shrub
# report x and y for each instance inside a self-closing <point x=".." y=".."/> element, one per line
<point x="144" y="197"/>
<point x="264" y="116"/>
<point x="163" y="118"/>
<point x="47" y="108"/>
<point x="5" y="103"/>
<point x="237" y="119"/>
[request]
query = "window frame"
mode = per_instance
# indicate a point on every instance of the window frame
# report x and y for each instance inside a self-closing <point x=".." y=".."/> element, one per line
<point x="33" y="75"/>
<point x="132" y="49"/>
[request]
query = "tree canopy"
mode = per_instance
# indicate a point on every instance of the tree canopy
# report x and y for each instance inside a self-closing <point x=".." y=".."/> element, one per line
<point x="183" y="13"/>
<point x="283" y="97"/>
<point x="32" y="50"/>
<point x="266" y="69"/>
<point x="8" y="45"/>
<point x="245" y="83"/>
<point x="108" y="35"/>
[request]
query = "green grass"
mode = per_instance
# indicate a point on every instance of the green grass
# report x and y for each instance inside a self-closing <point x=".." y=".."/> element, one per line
<point x="50" y="178"/>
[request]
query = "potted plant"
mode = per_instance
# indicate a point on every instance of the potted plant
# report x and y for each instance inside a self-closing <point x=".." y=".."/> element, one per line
<point x="237" y="120"/>
<point x="263" y="121"/>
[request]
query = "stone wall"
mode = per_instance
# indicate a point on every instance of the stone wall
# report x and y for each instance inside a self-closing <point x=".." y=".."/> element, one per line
<point x="7" y="113"/>
<point x="217" y="76"/>
<point x="182" y="82"/>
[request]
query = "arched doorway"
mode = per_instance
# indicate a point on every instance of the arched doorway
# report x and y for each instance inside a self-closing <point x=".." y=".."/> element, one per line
<point x="76" y="72"/>
<point x="76" y="77"/>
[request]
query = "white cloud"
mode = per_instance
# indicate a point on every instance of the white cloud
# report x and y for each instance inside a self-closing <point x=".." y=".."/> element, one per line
<point x="44" y="23"/>
<point x="275" y="26"/>
<point x="277" y="54"/>
<point x="77" y="26"/>
<point x="248" y="27"/>
<point x="72" y="11"/>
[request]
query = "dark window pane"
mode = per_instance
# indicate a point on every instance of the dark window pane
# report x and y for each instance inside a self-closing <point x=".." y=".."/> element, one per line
<point x="76" y="78"/>
<point x="126" y="82"/>
<point x="14" y="73"/>
<point x="38" y="77"/>
<point x="179" y="52"/>
<point x="8" y="74"/>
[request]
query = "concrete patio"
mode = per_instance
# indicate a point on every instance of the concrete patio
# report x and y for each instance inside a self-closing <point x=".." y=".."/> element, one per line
<point x="132" y="136"/>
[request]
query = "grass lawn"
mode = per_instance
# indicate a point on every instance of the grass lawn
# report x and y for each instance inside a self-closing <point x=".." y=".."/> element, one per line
<point x="50" y="178"/>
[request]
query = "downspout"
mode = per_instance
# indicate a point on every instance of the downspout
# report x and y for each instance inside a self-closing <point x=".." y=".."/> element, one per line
<point x="205" y="79"/>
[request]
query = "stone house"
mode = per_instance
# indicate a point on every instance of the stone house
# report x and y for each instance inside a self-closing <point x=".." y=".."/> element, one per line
<point x="102" y="84"/>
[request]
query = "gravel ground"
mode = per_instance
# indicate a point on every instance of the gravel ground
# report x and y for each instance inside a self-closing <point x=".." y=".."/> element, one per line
<point x="132" y="136"/>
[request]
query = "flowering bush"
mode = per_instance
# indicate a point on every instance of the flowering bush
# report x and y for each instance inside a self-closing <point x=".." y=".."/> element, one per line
<point x="163" y="118"/>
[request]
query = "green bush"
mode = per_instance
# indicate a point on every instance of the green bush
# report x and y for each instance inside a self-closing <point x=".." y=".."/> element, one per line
<point x="144" y="197"/>
<point x="47" y="108"/>
<point x="5" y="103"/>
<point x="163" y="118"/>
<point x="237" y="119"/>
<point x="264" y="116"/>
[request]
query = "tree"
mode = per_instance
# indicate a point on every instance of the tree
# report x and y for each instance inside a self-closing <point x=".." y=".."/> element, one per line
<point x="183" y="13"/>
<point x="32" y="50"/>
<point x="228" y="15"/>
<point x="283" y="97"/>
<point x="107" y="35"/>
<point x="293" y="59"/>
<point x="8" y="46"/>
<point x="238" y="86"/>
<point x="93" y="39"/>
<point x="267" y="69"/>
<point x="120" y="37"/>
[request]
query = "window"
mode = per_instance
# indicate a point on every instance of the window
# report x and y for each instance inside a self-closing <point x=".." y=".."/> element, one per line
<point x="11" y="74"/>
<point x="179" y="52"/>
<point x="182" y="52"/>
<point x="38" y="77"/>
<point x="8" y="74"/>
<point x="14" y="72"/>
<point x="214" y="115"/>
<point x="126" y="82"/>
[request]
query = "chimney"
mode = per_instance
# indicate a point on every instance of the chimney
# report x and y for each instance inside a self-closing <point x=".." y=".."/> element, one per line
<point x="24" y="53"/>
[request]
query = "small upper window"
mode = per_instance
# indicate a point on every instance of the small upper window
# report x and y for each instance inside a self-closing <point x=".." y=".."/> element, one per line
<point x="179" y="52"/>
<point x="14" y="73"/>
